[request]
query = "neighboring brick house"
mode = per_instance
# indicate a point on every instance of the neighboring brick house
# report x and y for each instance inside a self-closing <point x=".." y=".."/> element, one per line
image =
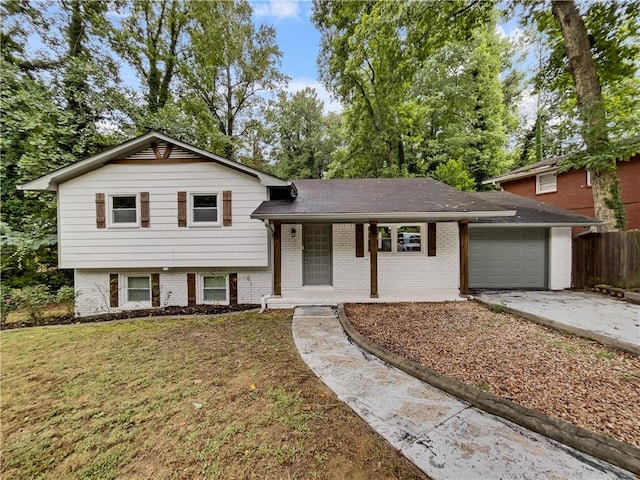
<point x="572" y="189"/>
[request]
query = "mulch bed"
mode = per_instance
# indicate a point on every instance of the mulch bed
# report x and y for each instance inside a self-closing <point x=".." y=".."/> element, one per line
<point x="558" y="374"/>
<point x="150" y="312"/>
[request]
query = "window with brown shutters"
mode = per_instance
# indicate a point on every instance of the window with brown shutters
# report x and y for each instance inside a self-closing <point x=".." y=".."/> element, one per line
<point x="182" y="211"/>
<point x="359" y="240"/>
<point x="101" y="217"/>
<point x="113" y="290"/>
<point x="155" y="289"/>
<point x="226" y="208"/>
<point x="431" y="239"/>
<point x="144" y="209"/>
<point x="191" y="289"/>
<point x="233" y="288"/>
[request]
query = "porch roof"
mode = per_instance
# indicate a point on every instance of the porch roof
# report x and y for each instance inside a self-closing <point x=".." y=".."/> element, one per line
<point x="381" y="199"/>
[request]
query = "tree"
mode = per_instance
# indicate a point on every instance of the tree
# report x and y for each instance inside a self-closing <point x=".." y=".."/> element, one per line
<point x="302" y="145"/>
<point x="228" y="68"/>
<point x="379" y="58"/>
<point x="149" y="38"/>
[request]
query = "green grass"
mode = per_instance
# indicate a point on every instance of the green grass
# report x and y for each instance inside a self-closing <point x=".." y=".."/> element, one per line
<point x="218" y="397"/>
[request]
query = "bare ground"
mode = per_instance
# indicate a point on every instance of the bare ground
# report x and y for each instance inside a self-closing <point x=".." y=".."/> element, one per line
<point x="577" y="380"/>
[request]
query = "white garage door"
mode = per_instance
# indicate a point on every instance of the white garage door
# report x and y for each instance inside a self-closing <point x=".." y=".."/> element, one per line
<point x="507" y="258"/>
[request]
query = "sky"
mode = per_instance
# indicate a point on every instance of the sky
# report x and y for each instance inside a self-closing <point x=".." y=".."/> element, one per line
<point x="299" y="42"/>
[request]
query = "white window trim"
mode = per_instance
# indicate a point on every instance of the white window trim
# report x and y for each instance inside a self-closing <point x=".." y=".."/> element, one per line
<point x="394" y="235"/>
<point x="200" y="288"/>
<point x="111" y="223"/>
<point x="550" y="190"/>
<point x="124" y="291"/>
<point x="219" y="209"/>
<point x="588" y="178"/>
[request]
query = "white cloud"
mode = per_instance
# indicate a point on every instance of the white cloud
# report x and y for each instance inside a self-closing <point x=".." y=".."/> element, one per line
<point x="528" y="107"/>
<point x="515" y="34"/>
<point x="276" y="8"/>
<point x="330" y="104"/>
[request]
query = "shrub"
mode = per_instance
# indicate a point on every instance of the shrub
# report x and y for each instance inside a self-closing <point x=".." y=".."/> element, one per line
<point x="66" y="297"/>
<point x="7" y="303"/>
<point x="497" y="308"/>
<point x="33" y="299"/>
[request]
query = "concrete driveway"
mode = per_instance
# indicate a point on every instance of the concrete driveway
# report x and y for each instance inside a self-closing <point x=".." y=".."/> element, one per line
<point x="592" y="315"/>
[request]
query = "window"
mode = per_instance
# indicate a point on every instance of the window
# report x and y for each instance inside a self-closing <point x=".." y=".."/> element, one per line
<point x="138" y="289"/>
<point x="124" y="210"/>
<point x="408" y="238"/>
<point x="546" y="182"/>
<point x="204" y="208"/>
<point x="214" y="289"/>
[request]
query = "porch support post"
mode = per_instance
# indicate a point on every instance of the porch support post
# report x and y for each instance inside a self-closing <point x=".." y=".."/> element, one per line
<point x="463" y="230"/>
<point x="277" y="258"/>
<point x="373" y="257"/>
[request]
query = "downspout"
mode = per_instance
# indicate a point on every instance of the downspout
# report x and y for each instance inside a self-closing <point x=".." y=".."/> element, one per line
<point x="263" y="302"/>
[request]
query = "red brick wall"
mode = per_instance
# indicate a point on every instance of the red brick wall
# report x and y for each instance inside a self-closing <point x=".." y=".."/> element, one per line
<point x="573" y="193"/>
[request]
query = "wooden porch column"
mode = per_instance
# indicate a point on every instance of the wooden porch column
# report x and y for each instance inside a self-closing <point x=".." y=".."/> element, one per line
<point x="277" y="258"/>
<point x="463" y="230"/>
<point x="373" y="257"/>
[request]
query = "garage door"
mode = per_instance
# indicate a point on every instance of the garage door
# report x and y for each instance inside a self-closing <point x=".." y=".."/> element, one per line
<point x="507" y="258"/>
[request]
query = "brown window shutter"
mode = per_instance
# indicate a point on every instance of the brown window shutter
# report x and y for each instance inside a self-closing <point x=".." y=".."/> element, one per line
<point x="182" y="209"/>
<point x="113" y="290"/>
<point x="226" y="208"/>
<point x="100" y="211"/>
<point x="191" y="289"/>
<point x="233" y="288"/>
<point x="431" y="240"/>
<point x="144" y="209"/>
<point x="359" y="240"/>
<point x="155" y="289"/>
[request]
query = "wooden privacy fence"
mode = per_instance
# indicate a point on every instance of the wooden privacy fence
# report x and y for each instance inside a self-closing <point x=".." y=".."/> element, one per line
<point x="612" y="258"/>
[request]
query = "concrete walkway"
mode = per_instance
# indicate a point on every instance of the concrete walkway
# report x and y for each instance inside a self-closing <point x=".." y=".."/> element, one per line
<point x="593" y="315"/>
<point x="443" y="436"/>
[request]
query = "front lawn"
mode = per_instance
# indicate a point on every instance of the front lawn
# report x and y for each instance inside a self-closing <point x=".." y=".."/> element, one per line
<point x="212" y="397"/>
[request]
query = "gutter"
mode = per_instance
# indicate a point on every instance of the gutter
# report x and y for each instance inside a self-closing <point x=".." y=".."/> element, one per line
<point x="366" y="217"/>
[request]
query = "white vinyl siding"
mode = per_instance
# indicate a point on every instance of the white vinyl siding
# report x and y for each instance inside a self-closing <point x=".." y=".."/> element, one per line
<point x="163" y="244"/>
<point x="546" y="182"/>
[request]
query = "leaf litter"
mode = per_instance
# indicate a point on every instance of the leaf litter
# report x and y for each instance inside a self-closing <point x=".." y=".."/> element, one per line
<point x="556" y="373"/>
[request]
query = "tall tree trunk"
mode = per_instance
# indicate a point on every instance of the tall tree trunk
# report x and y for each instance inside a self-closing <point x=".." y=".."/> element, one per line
<point x="604" y="182"/>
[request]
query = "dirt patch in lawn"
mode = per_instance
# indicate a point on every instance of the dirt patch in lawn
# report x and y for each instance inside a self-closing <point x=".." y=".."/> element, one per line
<point x="223" y="397"/>
<point x="558" y="374"/>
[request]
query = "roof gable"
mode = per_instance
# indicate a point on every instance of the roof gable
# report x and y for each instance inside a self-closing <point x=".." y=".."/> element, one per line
<point x="152" y="147"/>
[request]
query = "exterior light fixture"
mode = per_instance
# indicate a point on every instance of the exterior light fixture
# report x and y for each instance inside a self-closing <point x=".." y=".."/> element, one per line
<point x="293" y="233"/>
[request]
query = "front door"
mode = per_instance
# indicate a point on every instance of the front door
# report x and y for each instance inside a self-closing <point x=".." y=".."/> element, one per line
<point x="316" y="254"/>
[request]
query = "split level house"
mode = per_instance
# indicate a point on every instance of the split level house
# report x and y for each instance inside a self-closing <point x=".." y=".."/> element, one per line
<point x="571" y="189"/>
<point x="156" y="222"/>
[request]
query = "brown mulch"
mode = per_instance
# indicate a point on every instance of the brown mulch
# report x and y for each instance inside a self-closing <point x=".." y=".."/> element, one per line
<point x="558" y="374"/>
<point x="170" y="311"/>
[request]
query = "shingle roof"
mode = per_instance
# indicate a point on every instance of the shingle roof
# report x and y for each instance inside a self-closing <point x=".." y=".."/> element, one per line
<point x="381" y="198"/>
<point x="532" y="212"/>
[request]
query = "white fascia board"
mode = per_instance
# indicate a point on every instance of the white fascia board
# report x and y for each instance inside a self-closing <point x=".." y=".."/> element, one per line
<point x="382" y="217"/>
<point x="532" y="225"/>
<point x="516" y="176"/>
<point x="51" y="181"/>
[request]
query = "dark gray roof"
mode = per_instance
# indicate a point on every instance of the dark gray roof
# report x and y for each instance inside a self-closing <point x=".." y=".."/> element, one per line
<point x="532" y="212"/>
<point x="377" y="198"/>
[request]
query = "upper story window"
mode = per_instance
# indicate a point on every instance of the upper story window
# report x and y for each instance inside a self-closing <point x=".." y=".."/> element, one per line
<point x="124" y="210"/>
<point x="204" y="209"/>
<point x="546" y="182"/>
<point x="400" y="238"/>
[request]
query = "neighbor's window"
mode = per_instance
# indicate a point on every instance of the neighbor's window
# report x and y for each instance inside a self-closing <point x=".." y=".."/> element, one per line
<point x="138" y="289"/>
<point x="408" y="238"/>
<point x="204" y="208"/>
<point x="124" y="209"/>
<point x="546" y="182"/>
<point x="214" y="289"/>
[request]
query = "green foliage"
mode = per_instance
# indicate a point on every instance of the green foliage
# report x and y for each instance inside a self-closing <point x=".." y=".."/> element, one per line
<point x="66" y="297"/>
<point x="33" y="299"/>
<point x="456" y="174"/>
<point x="303" y="135"/>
